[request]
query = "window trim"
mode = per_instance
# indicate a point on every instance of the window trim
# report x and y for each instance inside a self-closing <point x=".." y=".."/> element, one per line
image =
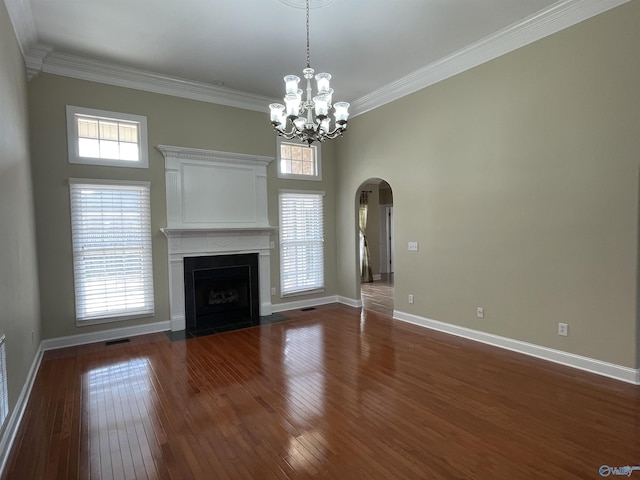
<point x="110" y="318"/>
<point x="72" y="138"/>
<point x="294" y="176"/>
<point x="312" y="290"/>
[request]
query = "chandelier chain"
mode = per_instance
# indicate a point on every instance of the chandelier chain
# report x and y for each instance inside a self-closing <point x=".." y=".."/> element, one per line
<point x="308" y="54"/>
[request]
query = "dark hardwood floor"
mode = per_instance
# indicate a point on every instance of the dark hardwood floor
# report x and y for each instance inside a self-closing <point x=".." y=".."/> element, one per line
<point x="332" y="393"/>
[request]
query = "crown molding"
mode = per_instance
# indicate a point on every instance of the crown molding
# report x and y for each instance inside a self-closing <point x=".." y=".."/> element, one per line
<point x="34" y="59"/>
<point x="562" y="14"/>
<point x="23" y="24"/>
<point x="83" y="68"/>
<point x="42" y="58"/>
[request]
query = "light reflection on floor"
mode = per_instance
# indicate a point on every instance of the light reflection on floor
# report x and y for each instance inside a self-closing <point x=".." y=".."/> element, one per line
<point x="304" y="368"/>
<point x="118" y="403"/>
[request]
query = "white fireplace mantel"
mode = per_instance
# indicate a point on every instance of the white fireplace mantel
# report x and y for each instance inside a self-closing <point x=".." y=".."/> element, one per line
<point x="216" y="205"/>
<point x="198" y="232"/>
<point x="210" y="189"/>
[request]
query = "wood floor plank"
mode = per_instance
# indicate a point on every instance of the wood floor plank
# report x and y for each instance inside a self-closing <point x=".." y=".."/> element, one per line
<point x="335" y="392"/>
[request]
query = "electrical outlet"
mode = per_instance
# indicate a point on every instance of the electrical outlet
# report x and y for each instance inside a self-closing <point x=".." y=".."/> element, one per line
<point x="413" y="246"/>
<point x="563" y="329"/>
<point x="273" y="290"/>
<point x="480" y="312"/>
<point x="410" y="298"/>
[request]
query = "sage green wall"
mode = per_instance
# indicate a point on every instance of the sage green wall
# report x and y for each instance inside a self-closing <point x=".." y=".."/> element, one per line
<point x="171" y="121"/>
<point x="520" y="179"/>
<point x="19" y="306"/>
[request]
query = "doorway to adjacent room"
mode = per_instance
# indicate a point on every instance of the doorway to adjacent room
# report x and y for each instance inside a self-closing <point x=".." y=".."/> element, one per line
<point x="376" y="245"/>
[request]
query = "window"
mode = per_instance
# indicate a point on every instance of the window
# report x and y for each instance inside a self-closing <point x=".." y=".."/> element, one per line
<point x="298" y="160"/>
<point x="98" y="137"/>
<point x="111" y="235"/>
<point x="301" y="242"/>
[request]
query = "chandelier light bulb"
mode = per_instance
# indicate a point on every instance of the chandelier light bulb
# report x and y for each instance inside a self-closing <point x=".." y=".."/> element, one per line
<point x="293" y="105"/>
<point x="321" y="105"/>
<point x="322" y="80"/>
<point x="329" y="95"/>
<point x="291" y="84"/>
<point x="277" y="115"/>
<point x="299" y="123"/>
<point x="341" y="112"/>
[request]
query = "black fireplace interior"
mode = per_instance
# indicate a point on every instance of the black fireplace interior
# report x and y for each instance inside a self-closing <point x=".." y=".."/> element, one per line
<point x="221" y="292"/>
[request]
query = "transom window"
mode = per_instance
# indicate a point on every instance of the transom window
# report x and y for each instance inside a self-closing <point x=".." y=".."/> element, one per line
<point x="100" y="137"/>
<point x="298" y="160"/>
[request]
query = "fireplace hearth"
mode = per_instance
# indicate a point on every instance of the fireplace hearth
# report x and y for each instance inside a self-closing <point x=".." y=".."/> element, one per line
<point x="221" y="292"/>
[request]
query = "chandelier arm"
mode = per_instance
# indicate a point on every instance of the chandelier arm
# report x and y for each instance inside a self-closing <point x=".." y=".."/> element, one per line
<point x="288" y="135"/>
<point x="334" y="134"/>
<point x="310" y="135"/>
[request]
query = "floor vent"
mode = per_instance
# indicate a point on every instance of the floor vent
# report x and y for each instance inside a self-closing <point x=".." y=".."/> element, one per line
<point x="115" y="342"/>
<point x="306" y="309"/>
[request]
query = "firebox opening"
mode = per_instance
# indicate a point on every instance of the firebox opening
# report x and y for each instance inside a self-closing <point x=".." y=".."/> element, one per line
<point x="222" y="293"/>
<point x="221" y="289"/>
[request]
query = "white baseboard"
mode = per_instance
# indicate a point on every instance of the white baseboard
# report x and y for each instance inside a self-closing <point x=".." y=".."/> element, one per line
<point x="351" y="302"/>
<point x="265" y="309"/>
<point x="178" y="322"/>
<point x="314" y="302"/>
<point x="611" y="370"/>
<point x="377" y="277"/>
<point x="15" y="418"/>
<point x="298" y="304"/>
<point x="105" y="335"/>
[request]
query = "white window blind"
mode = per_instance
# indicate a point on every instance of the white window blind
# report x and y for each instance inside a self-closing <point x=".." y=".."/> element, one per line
<point x="111" y="234"/>
<point x="301" y="242"/>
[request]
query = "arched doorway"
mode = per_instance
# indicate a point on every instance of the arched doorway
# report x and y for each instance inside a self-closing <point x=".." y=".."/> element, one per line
<point x="376" y="245"/>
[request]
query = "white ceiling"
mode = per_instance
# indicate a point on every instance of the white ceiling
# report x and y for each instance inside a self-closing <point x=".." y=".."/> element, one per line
<point x="249" y="45"/>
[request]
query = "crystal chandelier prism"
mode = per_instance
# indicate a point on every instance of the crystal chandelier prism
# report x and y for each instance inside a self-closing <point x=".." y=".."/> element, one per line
<point x="308" y="120"/>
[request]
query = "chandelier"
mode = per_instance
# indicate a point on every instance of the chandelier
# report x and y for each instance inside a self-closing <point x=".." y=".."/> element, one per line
<point x="308" y="120"/>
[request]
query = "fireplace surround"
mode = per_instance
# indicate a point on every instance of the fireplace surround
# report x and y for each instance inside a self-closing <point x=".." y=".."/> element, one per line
<point x="216" y="206"/>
